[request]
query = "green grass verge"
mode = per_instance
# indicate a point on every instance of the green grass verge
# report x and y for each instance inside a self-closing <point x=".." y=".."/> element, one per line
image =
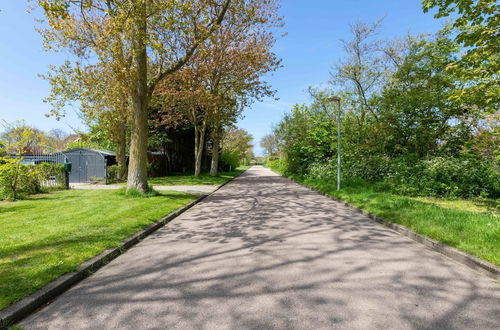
<point x="47" y="235"/>
<point x="472" y="226"/>
<point x="183" y="179"/>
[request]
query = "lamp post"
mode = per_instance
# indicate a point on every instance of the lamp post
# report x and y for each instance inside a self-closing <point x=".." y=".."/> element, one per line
<point x="337" y="99"/>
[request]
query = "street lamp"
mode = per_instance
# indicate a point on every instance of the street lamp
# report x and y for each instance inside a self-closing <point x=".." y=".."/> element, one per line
<point x="337" y="99"/>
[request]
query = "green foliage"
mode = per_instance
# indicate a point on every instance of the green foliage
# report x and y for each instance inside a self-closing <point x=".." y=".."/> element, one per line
<point x="113" y="172"/>
<point x="229" y="160"/>
<point x="50" y="170"/>
<point x="3" y="152"/>
<point x="415" y="114"/>
<point x="277" y="165"/>
<point x="236" y="141"/>
<point x="19" y="138"/>
<point x="445" y="177"/>
<point x="409" y="136"/>
<point x="439" y="176"/>
<point x="476" y="25"/>
<point x="308" y="135"/>
<point x="18" y="180"/>
<point x="95" y="139"/>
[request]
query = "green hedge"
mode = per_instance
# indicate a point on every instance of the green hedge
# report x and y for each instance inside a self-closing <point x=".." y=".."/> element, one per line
<point x="229" y="161"/>
<point x="439" y="177"/>
<point x="447" y="177"/>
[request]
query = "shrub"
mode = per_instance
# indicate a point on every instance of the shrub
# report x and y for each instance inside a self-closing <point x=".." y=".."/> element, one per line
<point x="51" y="175"/>
<point x="370" y="168"/>
<point x="113" y="172"/>
<point x="447" y="177"/>
<point x="17" y="180"/>
<point x="439" y="177"/>
<point x="277" y="165"/>
<point x="324" y="170"/>
<point x="229" y="160"/>
<point x="354" y="168"/>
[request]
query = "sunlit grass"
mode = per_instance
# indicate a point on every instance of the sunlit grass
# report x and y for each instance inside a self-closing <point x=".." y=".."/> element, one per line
<point x="479" y="205"/>
<point x="183" y="179"/>
<point x="50" y="234"/>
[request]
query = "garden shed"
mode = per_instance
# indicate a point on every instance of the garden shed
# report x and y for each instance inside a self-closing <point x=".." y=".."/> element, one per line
<point x="89" y="165"/>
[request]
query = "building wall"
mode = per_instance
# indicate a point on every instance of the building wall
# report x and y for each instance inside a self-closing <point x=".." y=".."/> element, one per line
<point x="87" y="166"/>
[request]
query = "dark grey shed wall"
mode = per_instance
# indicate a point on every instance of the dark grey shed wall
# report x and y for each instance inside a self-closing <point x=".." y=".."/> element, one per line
<point x="87" y="164"/>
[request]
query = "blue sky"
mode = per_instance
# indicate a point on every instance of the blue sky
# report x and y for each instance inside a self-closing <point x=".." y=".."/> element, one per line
<point x="311" y="47"/>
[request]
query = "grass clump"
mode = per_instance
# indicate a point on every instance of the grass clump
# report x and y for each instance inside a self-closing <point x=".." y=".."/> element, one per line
<point x="134" y="193"/>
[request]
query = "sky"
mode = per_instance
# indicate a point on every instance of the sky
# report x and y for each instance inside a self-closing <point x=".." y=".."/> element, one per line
<point x="310" y="48"/>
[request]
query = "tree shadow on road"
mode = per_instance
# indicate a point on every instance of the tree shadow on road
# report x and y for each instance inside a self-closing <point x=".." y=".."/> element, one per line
<point x="265" y="253"/>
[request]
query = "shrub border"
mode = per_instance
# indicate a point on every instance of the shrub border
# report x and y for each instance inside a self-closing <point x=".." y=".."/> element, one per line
<point x="479" y="265"/>
<point x="27" y="305"/>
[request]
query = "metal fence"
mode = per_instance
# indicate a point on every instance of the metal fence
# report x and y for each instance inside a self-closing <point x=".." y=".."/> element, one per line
<point x="44" y="156"/>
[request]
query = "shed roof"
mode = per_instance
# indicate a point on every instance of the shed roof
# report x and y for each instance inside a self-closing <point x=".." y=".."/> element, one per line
<point x="102" y="152"/>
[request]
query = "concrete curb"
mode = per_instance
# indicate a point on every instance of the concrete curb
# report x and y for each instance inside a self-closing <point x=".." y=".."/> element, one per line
<point x="19" y="310"/>
<point x="466" y="259"/>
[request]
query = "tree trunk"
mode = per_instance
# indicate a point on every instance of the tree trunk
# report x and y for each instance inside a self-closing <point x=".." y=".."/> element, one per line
<point x="214" y="165"/>
<point x="137" y="173"/>
<point x="199" y="142"/>
<point x="121" y="147"/>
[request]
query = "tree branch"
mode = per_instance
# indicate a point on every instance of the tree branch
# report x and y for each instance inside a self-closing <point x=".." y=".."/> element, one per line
<point x="183" y="60"/>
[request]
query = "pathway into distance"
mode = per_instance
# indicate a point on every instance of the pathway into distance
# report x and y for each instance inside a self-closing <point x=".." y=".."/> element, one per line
<point x="266" y="253"/>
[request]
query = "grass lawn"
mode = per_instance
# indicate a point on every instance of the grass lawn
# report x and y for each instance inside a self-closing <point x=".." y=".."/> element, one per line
<point x="183" y="179"/>
<point x="50" y="234"/>
<point x="472" y="226"/>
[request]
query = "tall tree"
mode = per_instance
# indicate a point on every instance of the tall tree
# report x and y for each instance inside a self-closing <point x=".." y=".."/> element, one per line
<point x="152" y="38"/>
<point x="18" y="138"/>
<point x="237" y="140"/>
<point x="417" y="117"/>
<point x="225" y="76"/>
<point x="270" y="144"/>
<point x="361" y="72"/>
<point x="237" y="75"/>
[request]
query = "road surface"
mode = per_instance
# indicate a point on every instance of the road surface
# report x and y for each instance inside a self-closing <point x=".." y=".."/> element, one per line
<point x="266" y="253"/>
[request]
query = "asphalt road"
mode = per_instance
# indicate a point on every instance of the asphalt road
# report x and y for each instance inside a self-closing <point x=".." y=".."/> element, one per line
<point x="266" y="253"/>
